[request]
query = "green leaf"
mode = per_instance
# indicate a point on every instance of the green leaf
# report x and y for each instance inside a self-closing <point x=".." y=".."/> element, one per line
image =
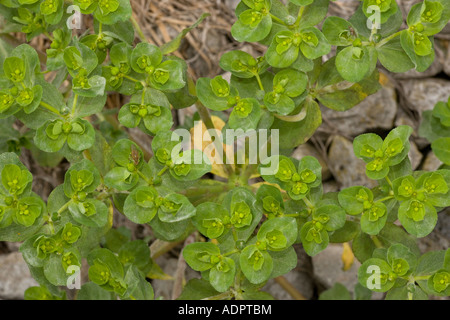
<point x="175" y="207"/>
<point x="337" y="292"/>
<point x="108" y="16"/>
<point x="199" y="255"/>
<point x="256" y="265"/>
<point x="247" y="29"/>
<point x="140" y="205"/>
<point x="441" y="148"/>
<point x="393" y="57"/>
<point x="138" y="287"/>
<point x="293" y="134"/>
<point x="283" y="261"/>
<point x="418" y="222"/>
<point x="314" y="238"/>
<point x="374" y="274"/>
<point x="239" y="63"/>
<point x="197" y="289"/>
<point x="92" y="291"/>
<point x="338" y="31"/>
<point x="210" y="219"/>
<point x="222" y="274"/>
<point x="352" y="199"/>
<point x="353" y="63"/>
<point x="174" y="44"/>
<point x="421" y="62"/>
<point x="278" y="233"/>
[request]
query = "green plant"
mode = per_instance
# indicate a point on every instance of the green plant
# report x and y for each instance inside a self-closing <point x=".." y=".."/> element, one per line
<point x="435" y="127"/>
<point x="244" y="231"/>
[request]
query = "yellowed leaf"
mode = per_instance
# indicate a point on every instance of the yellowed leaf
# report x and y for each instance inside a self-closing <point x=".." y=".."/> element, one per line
<point x="157" y="273"/>
<point x="347" y="256"/>
<point x="202" y="140"/>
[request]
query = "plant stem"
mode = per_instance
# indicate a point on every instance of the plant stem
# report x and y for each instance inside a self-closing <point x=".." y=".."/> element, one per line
<point x="222" y="296"/>
<point x="289" y="288"/>
<point x="377" y="242"/>
<point x="385" y="198"/>
<point x="230" y="253"/>
<point x="140" y="174"/>
<point x="299" y="16"/>
<point x="278" y="20"/>
<point x="162" y="171"/>
<point x="421" y="278"/>
<point x="258" y="78"/>
<point x="74" y="105"/>
<point x="64" y="207"/>
<point x="308" y="203"/>
<point x="138" y="29"/>
<point x="49" y="108"/>
<point x="384" y="41"/>
<point x="389" y="181"/>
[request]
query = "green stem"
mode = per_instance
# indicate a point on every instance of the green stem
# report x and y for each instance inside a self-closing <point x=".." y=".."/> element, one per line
<point x="308" y="203"/>
<point x="230" y="253"/>
<point x="389" y="182"/>
<point x="74" y="105"/>
<point x="278" y="20"/>
<point x="162" y="171"/>
<point x="64" y="207"/>
<point x="49" y="36"/>
<point x="222" y="296"/>
<point x="385" y="198"/>
<point x="130" y="78"/>
<point x="138" y="29"/>
<point x="140" y="174"/>
<point x="421" y="278"/>
<point x="258" y="78"/>
<point x="49" y="108"/>
<point x="384" y="41"/>
<point x="377" y="242"/>
<point x="372" y="33"/>
<point x="299" y="16"/>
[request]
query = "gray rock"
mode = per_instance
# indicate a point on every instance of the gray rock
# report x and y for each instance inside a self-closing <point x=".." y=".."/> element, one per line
<point x="232" y="4"/>
<point x="330" y="186"/>
<point x="345" y="167"/>
<point x="327" y="266"/>
<point x="15" y="276"/>
<point x="163" y="288"/>
<point x="415" y="155"/>
<point x="301" y="281"/>
<point x="300" y="278"/>
<point x="376" y="111"/>
<point x="431" y="162"/>
<point x="425" y="93"/>
<point x="309" y="150"/>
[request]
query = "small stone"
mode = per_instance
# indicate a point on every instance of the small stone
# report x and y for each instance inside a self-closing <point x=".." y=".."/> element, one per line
<point x="345" y="167"/>
<point x="328" y="268"/>
<point x="423" y="94"/>
<point x="330" y="186"/>
<point x="164" y="288"/>
<point x="376" y="111"/>
<point x="415" y="156"/>
<point x="15" y="276"/>
<point x="431" y="162"/>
